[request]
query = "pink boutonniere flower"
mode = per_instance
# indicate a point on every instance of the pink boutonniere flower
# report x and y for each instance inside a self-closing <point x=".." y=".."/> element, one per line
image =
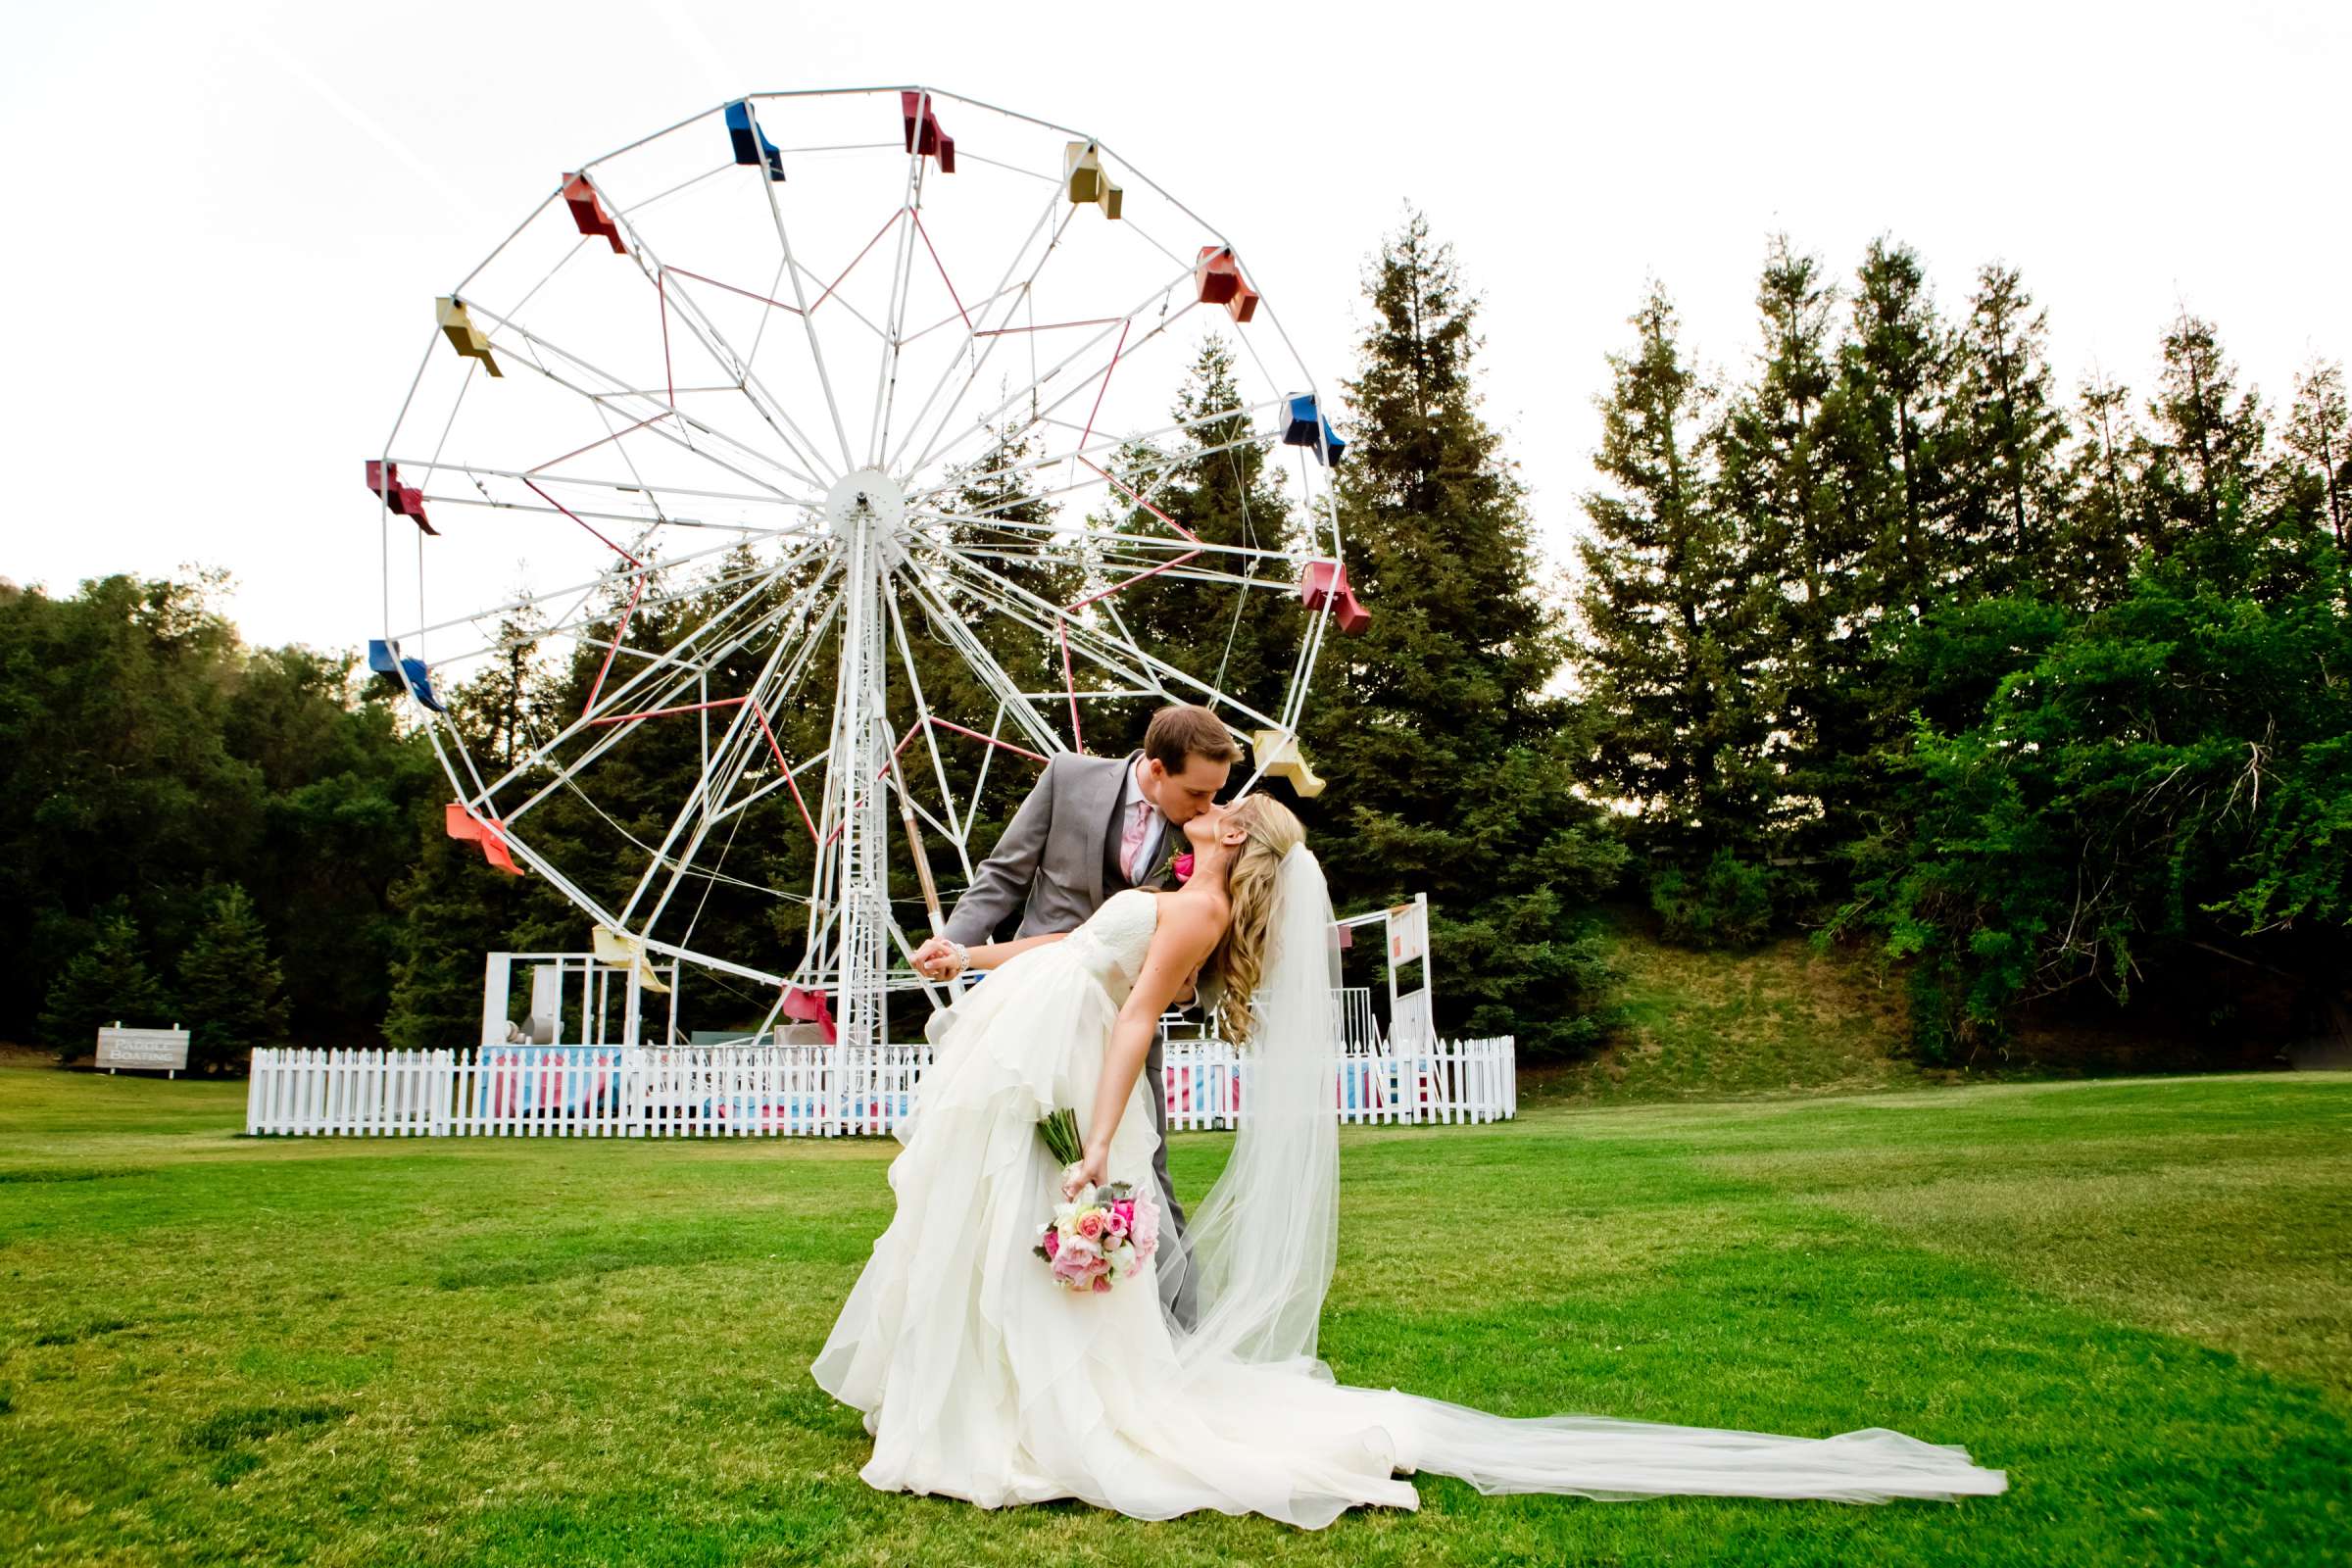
<point x="1182" y="866"/>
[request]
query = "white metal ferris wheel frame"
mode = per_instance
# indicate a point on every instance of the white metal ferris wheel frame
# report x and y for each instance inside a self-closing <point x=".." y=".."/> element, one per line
<point x="865" y="538"/>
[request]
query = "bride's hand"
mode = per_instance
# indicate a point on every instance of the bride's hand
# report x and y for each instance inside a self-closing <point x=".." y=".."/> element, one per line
<point x="1092" y="1170"/>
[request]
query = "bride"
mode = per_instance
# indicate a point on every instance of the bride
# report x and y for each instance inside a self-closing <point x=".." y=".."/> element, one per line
<point x="979" y="1377"/>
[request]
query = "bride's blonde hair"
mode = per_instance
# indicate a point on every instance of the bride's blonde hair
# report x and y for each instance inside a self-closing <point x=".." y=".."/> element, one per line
<point x="1270" y="832"/>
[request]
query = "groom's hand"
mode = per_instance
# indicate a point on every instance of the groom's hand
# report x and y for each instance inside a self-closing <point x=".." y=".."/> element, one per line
<point x="935" y="959"/>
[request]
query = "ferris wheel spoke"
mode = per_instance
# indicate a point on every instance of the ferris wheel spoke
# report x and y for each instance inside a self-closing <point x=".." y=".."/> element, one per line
<point x="718" y="525"/>
<point x="746" y="383"/>
<point x="545" y="202"/>
<point x="1107" y="549"/>
<point x="1051" y="624"/>
<point x="1024" y="297"/>
<point x="662" y="412"/>
<point x="1012" y="297"/>
<point x="802" y="274"/>
<point x="937" y="595"/>
<point x="1042" y="414"/>
<point x="789" y="782"/>
<point x="648" y="203"/>
<point x="816" y="349"/>
<point x="987" y="422"/>
<point x="759" y="332"/>
<point x="894" y="316"/>
<point x="900" y="340"/>
<point x="736" y="750"/>
<point x="922" y="712"/>
<point x="1111" y="446"/>
<point x="1180" y="568"/>
<point x="635" y="483"/>
<point x="1139" y="667"/>
<point x="964" y="315"/>
<point x="712" y="652"/>
<point x="589" y="585"/>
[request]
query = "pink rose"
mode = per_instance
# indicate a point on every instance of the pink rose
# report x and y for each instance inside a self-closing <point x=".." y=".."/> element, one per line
<point x="1090" y="1224"/>
<point x="1101" y="1285"/>
<point x="1182" y="866"/>
<point x="1144" y="1229"/>
<point x="1053" y="1242"/>
<point x="1076" y="1263"/>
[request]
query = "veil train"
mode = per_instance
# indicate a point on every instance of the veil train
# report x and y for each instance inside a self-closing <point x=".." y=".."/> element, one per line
<point x="1262" y="1244"/>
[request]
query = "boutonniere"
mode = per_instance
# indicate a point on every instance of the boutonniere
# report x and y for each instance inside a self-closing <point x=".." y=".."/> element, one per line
<point x="1182" y="866"/>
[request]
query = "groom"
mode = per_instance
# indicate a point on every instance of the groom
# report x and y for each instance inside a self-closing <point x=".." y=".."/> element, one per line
<point x="1091" y="826"/>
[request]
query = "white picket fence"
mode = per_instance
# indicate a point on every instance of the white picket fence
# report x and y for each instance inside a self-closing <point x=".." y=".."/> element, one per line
<point x="790" y="1090"/>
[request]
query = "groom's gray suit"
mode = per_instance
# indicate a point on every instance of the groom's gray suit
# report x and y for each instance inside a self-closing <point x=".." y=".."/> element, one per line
<point x="1057" y="863"/>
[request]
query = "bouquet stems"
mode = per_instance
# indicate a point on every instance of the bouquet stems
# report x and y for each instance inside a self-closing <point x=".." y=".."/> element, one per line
<point x="1059" y="1130"/>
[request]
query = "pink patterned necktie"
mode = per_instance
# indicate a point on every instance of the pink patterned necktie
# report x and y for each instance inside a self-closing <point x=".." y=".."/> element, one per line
<point x="1131" y="844"/>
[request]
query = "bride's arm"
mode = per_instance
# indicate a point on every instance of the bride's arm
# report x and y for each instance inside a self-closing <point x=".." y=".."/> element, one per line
<point x="1179" y="944"/>
<point x="988" y="955"/>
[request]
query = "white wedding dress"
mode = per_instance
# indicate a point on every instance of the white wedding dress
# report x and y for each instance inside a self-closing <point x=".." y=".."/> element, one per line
<point x="980" y="1377"/>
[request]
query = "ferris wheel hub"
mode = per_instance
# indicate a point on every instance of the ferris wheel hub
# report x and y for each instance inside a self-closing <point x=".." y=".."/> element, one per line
<point x="866" y="500"/>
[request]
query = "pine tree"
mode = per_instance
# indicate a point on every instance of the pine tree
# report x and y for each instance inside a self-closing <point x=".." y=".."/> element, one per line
<point x="1447" y="771"/>
<point x="1667" y="647"/>
<point x="2206" y="450"/>
<point x="1217" y="483"/>
<point x="2105" y="518"/>
<point x="1804" y="548"/>
<point x="2318" y="430"/>
<point x="231" y="990"/>
<point x="105" y="982"/>
<point x="1892" y="394"/>
<point x="2009" y="445"/>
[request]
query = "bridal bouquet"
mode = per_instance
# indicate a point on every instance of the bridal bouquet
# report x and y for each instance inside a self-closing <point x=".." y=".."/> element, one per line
<point x="1103" y="1234"/>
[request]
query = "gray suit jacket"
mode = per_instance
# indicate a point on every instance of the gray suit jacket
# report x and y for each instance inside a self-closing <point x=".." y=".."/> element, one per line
<point x="1052" y="863"/>
<point x="1055" y="865"/>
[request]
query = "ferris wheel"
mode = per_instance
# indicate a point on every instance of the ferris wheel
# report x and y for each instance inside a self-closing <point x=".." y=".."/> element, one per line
<point x="815" y="379"/>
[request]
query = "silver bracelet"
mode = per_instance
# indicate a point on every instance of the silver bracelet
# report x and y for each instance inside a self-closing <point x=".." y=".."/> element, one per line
<point x="964" y="955"/>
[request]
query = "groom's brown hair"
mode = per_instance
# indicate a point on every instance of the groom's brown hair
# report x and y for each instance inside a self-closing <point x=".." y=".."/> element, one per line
<point x="1182" y="731"/>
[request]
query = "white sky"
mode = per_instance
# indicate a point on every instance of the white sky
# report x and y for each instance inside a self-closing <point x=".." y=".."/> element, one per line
<point x="227" y="221"/>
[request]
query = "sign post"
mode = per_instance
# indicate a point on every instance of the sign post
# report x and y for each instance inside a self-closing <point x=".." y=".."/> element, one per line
<point x="144" y="1049"/>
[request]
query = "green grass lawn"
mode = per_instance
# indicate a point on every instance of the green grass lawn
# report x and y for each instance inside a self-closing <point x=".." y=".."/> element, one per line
<point x="2136" y="1295"/>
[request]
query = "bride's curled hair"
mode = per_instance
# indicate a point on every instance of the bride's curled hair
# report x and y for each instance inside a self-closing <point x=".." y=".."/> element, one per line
<point x="1240" y="958"/>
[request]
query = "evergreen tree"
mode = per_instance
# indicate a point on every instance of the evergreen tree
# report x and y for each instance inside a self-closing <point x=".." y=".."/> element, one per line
<point x="1667" y="649"/>
<point x="2008" y="450"/>
<point x="105" y="982"/>
<point x="231" y="990"/>
<point x="345" y="784"/>
<point x="2106" y="517"/>
<point x="2205" y="452"/>
<point x="1804" y="548"/>
<point x="2319" y="432"/>
<point x="1892" y="392"/>
<point x="1447" y="771"/>
<point x="1217" y="483"/>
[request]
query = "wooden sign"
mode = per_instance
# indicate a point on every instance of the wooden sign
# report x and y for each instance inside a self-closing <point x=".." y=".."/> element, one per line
<point x="1409" y="933"/>
<point x="148" y="1049"/>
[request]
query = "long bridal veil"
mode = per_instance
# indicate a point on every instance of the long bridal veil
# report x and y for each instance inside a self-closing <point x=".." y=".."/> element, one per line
<point x="1262" y="1244"/>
